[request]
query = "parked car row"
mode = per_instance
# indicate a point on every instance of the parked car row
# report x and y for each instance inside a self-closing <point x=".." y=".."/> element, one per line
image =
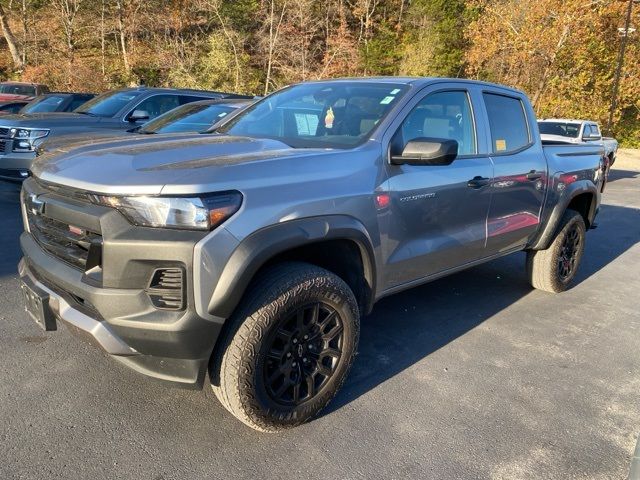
<point x="249" y="253"/>
<point x="64" y="117"/>
<point x="48" y="102"/>
<point x="192" y="117"/>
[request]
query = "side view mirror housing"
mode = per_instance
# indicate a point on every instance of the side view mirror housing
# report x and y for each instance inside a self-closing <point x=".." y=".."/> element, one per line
<point x="138" y="115"/>
<point x="427" y="151"/>
<point x="591" y="136"/>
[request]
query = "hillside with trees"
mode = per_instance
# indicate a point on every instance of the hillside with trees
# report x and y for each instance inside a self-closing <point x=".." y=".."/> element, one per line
<point x="563" y="53"/>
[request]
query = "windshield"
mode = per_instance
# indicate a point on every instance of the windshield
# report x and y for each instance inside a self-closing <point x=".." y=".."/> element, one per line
<point x="107" y="104"/>
<point x="563" y="129"/>
<point x="14" y="89"/>
<point x="328" y="114"/>
<point x="187" y="118"/>
<point x="45" y="104"/>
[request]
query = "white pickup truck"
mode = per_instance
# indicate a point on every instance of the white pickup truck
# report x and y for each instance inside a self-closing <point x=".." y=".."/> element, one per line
<point x="577" y="131"/>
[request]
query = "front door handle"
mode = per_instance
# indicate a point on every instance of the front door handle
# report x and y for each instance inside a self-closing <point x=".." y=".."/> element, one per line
<point x="478" y="182"/>
<point x="533" y="175"/>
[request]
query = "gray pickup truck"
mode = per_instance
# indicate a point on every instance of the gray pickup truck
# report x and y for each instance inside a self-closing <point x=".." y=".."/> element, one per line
<point x="251" y="253"/>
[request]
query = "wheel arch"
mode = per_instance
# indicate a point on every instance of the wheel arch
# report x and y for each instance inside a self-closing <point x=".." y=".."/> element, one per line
<point x="337" y="243"/>
<point x="581" y="196"/>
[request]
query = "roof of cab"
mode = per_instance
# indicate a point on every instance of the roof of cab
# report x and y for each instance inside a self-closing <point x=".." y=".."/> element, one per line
<point x="416" y="81"/>
<point x="143" y="88"/>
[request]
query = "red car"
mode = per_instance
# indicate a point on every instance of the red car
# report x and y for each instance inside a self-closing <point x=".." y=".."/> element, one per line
<point x="21" y="90"/>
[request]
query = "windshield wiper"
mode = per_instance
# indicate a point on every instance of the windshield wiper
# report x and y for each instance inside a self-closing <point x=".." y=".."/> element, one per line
<point x="146" y="132"/>
<point x="87" y="113"/>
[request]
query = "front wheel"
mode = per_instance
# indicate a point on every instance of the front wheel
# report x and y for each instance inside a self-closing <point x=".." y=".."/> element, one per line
<point x="554" y="268"/>
<point x="287" y="351"/>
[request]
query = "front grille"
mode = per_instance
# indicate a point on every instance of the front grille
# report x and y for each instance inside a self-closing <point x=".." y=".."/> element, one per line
<point x="4" y="132"/>
<point x="74" y="245"/>
<point x="3" y="146"/>
<point x="70" y="244"/>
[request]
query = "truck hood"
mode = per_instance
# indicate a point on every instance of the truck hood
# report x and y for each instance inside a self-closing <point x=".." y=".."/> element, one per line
<point x="48" y="120"/>
<point x="145" y="164"/>
<point x="68" y="142"/>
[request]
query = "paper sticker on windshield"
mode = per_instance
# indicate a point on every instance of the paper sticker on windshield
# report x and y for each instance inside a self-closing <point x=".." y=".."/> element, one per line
<point x="329" y="118"/>
<point x="395" y="91"/>
<point x="387" y="100"/>
<point x="501" y="145"/>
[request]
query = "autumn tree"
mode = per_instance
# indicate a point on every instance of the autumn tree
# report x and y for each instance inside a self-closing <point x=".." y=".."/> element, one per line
<point x="561" y="52"/>
<point x="10" y="38"/>
<point x="434" y="41"/>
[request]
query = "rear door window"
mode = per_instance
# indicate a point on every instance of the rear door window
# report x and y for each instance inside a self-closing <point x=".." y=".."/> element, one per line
<point x="507" y="122"/>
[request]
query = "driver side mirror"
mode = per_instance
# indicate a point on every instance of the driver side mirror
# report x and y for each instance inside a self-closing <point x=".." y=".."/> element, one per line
<point x="138" y="115"/>
<point x="427" y="151"/>
<point x="591" y="136"/>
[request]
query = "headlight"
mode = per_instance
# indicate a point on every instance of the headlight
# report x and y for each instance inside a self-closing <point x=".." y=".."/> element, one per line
<point x="24" y="138"/>
<point x="194" y="213"/>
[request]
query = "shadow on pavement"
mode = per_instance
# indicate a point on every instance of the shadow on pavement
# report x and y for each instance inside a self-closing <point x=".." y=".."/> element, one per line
<point x="407" y="327"/>
<point x="12" y="227"/>
<point x="621" y="174"/>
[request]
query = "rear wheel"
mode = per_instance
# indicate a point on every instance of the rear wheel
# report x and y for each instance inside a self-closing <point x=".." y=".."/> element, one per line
<point x="286" y="353"/>
<point x="554" y="268"/>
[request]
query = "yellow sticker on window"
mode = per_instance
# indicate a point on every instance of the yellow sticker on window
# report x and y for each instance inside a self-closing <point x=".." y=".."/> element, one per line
<point x="501" y="145"/>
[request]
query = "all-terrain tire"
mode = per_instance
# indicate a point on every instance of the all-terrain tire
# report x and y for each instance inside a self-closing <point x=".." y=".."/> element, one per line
<point x="241" y="360"/>
<point x="554" y="268"/>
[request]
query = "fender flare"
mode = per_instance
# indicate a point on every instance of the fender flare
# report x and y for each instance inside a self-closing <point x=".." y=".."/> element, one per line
<point x="259" y="247"/>
<point x="571" y="191"/>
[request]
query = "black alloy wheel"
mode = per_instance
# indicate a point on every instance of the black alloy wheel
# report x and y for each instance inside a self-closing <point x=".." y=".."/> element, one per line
<point x="569" y="253"/>
<point x="302" y="354"/>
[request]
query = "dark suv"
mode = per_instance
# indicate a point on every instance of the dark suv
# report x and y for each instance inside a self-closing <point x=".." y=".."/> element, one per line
<point x="120" y="109"/>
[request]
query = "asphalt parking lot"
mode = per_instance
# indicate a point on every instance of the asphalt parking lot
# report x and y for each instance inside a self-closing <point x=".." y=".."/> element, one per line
<point x="472" y="376"/>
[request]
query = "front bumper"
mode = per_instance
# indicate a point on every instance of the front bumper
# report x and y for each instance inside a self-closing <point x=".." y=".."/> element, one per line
<point x="110" y="304"/>
<point x="96" y="331"/>
<point x="15" y="166"/>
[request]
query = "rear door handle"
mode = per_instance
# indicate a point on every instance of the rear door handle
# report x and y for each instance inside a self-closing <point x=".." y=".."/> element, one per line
<point x="533" y="175"/>
<point x="478" y="182"/>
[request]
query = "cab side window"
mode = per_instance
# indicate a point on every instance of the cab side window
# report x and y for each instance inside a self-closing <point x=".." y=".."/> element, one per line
<point x="158" y="104"/>
<point x="507" y="122"/>
<point x="440" y="115"/>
